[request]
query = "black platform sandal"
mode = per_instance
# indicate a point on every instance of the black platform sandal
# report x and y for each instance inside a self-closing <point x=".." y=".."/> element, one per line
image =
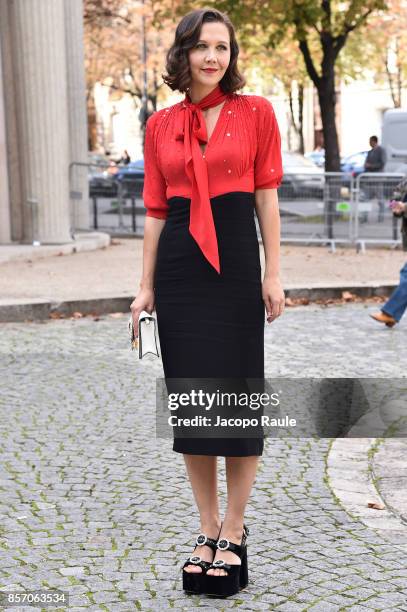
<point x="237" y="576"/>
<point x="193" y="582"/>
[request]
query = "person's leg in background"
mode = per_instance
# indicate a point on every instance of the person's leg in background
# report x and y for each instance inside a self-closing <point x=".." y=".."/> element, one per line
<point x="394" y="308"/>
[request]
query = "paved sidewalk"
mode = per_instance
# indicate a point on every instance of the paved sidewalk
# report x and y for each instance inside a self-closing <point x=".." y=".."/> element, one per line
<point x="93" y="503"/>
<point x="106" y="280"/>
<point x="115" y="271"/>
<point x="82" y="242"/>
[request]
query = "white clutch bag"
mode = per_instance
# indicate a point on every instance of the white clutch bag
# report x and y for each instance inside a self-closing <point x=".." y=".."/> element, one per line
<point x="148" y="339"/>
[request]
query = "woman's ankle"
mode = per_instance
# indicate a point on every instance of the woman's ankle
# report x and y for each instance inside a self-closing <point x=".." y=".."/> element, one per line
<point x="232" y="528"/>
<point x="211" y="526"/>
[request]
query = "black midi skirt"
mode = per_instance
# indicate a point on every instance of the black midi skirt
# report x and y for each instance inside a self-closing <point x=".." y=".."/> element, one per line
<point x="211" y="326"/>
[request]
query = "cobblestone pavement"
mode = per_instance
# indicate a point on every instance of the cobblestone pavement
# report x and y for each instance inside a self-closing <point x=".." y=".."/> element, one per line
<point x="92" y="503"/>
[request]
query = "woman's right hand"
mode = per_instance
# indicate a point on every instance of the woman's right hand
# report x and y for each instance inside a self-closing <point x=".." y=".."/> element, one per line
<point x="143" y="301"/>
<point x="399" y="208"/>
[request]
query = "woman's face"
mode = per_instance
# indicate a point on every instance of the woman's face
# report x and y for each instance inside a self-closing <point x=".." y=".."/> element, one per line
<point x="212" y="52"/>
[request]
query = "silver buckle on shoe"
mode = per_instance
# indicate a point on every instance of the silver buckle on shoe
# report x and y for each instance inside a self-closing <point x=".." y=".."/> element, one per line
<point x="219" y="563"/>
<point x="195" y="559"/>
<point x="223" y="544"/>
<point x="201" y="539"/>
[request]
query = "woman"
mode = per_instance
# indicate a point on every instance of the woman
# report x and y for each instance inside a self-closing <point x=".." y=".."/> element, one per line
<point x="210" y="161"/>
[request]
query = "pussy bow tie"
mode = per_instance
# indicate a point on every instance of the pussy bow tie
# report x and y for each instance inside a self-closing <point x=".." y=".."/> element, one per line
<point x="192" y="130"/>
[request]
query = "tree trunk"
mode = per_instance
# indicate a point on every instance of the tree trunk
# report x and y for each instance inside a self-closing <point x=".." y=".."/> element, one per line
<point x="301" y="116"/>
<point x="327" y="103"/>
<point x="325" y="85"/>
<point x="92" y="123"/>
<point x="298" y="128"/>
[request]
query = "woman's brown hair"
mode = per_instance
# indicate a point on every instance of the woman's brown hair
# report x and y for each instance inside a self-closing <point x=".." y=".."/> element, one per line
<point x="187" y="35"/>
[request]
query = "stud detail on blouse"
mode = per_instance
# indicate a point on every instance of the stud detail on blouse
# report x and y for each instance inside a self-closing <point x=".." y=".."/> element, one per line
<point x="165" y="174"/>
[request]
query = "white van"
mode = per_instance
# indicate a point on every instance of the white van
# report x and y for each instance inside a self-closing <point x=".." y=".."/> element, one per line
<point x="394" y="140"/>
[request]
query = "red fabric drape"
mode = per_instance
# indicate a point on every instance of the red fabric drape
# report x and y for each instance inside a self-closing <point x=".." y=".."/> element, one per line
<point x="192" y="130"/>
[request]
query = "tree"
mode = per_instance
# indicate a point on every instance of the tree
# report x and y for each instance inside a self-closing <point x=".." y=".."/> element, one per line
<point x="114" y="34"/>
<point x="384" y="43"/>
<point x="104" y="12"/>
<point x="285" y="64"/>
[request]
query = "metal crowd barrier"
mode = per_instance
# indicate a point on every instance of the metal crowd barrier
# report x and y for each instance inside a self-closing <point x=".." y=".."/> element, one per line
<point x="327" y="208"/>
<point x="114" y="199"/>
<point x="373" y="218"/>
<point x="316" y="208"/>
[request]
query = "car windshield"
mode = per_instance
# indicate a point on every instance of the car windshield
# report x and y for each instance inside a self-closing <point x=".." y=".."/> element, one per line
<point x="356" y="158"/>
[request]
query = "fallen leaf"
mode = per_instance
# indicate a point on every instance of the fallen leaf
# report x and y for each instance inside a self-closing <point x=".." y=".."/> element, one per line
<point x="77" y="315"/>
<point x="289" y="302"/>
<point x="116" y="315"/>
<point x="348" y="296"/>
<point x="376" y="505"/>
<point x="56" y="315"/>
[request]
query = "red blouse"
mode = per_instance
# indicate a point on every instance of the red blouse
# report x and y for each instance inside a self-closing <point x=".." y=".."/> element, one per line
<point x="242" y="154"/>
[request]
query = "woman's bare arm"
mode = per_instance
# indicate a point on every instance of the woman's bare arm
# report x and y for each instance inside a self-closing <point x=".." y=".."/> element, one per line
<point x="145" y="298"/>
<point x="266" y="202"/>
<point x="152" y="230"/>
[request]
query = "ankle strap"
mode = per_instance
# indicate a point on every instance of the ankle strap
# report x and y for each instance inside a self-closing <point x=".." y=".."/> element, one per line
<point x="203" y="540"/>
<point x="225" y="544"/>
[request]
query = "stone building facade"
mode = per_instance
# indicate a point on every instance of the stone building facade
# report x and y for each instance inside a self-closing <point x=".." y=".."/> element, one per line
<point x="42" y="121"/>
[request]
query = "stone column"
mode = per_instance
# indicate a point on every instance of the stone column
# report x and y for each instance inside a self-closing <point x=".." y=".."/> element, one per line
<point x="77" y="114"/>
<point x="5" y="229"/>
<point x="39" y="62"/>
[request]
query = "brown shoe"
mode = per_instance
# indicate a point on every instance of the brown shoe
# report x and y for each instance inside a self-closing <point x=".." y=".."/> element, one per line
<point x="382" y="317"/>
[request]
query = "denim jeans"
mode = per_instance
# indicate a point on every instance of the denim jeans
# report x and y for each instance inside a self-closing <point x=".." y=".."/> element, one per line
<point x="397" y="303"/>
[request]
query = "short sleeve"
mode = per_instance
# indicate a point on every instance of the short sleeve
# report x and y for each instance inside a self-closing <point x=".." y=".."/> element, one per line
<point x="268" y="170"/>
<point x="154" y="189"/>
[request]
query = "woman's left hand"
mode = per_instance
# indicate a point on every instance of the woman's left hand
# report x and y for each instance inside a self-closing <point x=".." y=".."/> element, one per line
<point x="274" y="299"/>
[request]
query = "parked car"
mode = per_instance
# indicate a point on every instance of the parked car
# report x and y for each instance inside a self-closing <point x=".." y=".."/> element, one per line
<point x="101" y="183"/>
<point x="301" y="177"/>
<point x="134" y="169"/>
<point x="355" y="163"/>
<point x="98" y="159"/>
<point x="317" y="157"/>
<point x="100" y="176"/>
<point x="130" y="178"/>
